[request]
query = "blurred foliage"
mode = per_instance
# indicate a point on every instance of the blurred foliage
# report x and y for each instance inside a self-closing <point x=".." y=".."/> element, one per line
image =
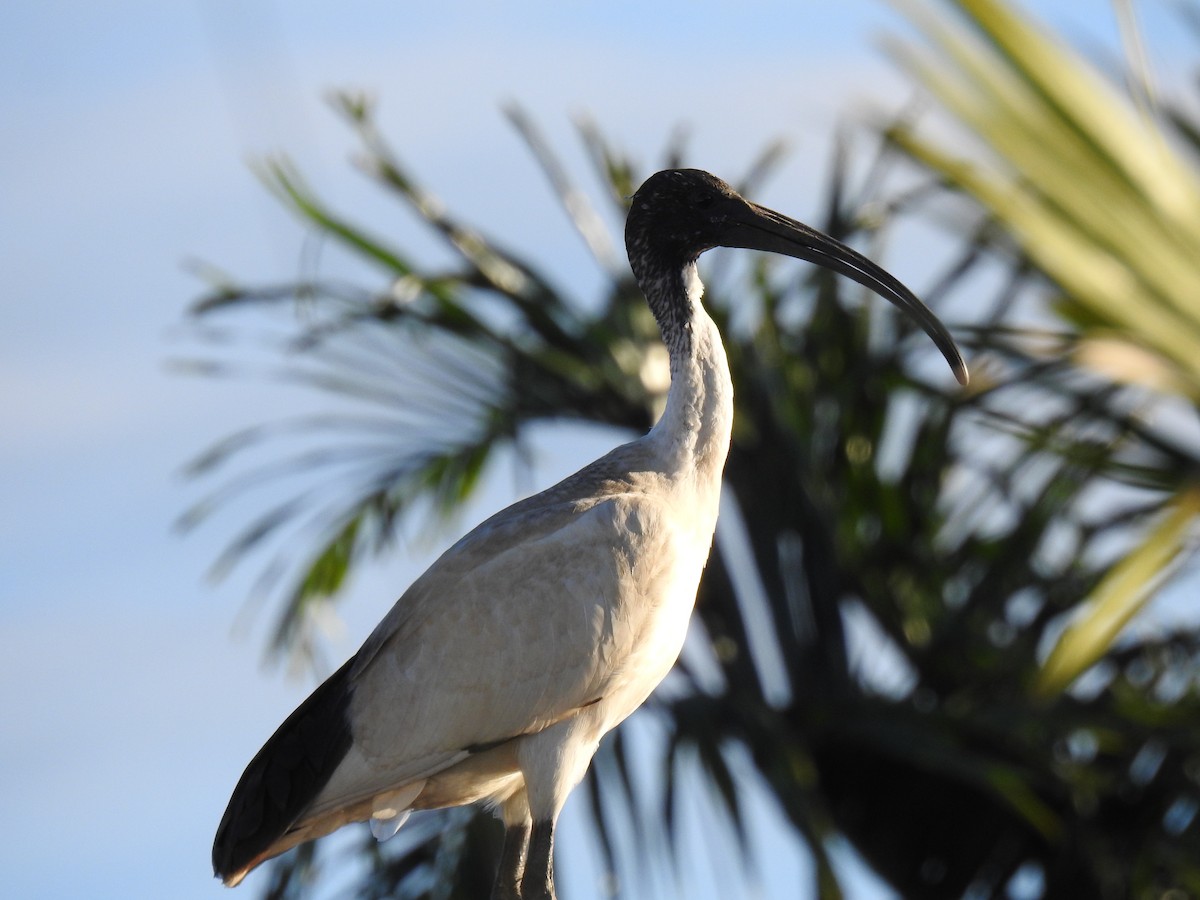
<point x="1095" y="191"/>
<point x="944" y="575"/>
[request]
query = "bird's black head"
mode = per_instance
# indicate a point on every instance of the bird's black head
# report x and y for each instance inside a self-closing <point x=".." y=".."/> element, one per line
<point x="677" y="214"/>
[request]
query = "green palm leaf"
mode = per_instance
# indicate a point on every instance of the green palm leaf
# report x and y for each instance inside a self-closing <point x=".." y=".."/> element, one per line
<point x="1097" y="198"/>
<point x="906" y="555"/>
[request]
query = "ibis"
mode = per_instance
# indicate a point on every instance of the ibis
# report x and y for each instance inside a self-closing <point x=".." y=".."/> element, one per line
<point x="495" y="675"/>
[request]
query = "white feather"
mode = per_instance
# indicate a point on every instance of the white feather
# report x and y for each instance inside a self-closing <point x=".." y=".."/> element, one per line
<point x="589" y="585"/>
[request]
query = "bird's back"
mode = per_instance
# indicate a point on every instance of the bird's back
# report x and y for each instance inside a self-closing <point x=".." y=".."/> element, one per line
<point x="540" y="611"/>
<point x="573" y="598"/>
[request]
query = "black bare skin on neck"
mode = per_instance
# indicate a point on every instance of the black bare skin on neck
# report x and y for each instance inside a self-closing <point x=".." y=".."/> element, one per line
<point x="674" y="217"/>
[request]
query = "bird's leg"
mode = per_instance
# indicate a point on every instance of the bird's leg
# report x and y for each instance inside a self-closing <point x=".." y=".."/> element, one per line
<point x="538" y="881"/>
<point x="512" y="863"/>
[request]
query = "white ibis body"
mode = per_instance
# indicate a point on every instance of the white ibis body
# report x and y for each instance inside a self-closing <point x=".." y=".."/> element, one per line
<point x="498" y="671"/>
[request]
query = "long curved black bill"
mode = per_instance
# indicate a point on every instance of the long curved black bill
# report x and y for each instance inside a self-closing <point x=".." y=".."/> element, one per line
<point x="764" y="229"/>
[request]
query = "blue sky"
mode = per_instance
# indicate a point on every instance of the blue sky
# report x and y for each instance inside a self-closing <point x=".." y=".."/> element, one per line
<point x="131" y="695"/>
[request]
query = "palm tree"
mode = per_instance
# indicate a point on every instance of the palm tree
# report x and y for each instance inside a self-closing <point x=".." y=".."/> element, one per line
<point x="988" y="545"/>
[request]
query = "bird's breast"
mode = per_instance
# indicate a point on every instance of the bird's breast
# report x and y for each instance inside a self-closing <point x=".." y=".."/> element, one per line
<point x="664" y="546"/>
<point x="519" y="628"/>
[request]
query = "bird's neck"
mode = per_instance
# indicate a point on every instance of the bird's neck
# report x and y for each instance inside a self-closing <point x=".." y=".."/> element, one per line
<point x="693" y="433"/>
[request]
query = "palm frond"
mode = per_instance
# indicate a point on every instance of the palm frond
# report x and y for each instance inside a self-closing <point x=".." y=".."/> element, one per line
<point x="883" y="511"/>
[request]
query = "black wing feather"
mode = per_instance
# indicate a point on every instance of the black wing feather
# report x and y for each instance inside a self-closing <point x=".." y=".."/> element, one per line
<point x="285" y="775"/>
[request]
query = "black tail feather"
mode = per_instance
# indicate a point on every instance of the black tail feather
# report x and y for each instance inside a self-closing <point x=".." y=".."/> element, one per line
<point x="285" y="776"/>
